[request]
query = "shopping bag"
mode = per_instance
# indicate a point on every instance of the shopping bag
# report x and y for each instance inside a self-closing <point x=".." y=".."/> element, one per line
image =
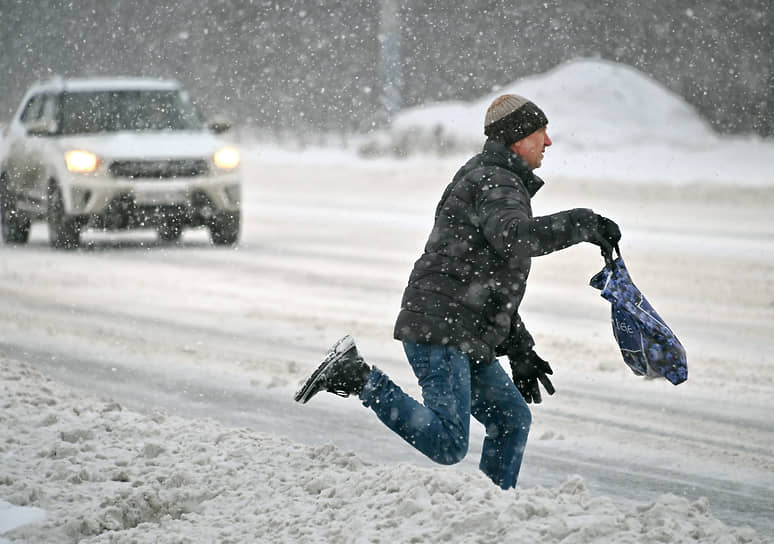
<point x="648" y="345"/>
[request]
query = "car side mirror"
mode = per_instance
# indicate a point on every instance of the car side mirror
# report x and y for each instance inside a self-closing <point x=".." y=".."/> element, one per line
<point x="219" y="125"/>
<point x="41" y="127"/>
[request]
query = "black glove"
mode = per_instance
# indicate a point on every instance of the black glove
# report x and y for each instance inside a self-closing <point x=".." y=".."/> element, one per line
<point x="606" y="235"/>
<point x="526" y="371"/>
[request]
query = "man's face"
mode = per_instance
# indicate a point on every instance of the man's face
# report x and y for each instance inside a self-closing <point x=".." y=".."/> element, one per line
<point x="531" y="148"/>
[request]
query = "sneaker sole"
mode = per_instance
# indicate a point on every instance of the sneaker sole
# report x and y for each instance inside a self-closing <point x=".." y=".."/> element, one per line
<point x="307" y="389"/>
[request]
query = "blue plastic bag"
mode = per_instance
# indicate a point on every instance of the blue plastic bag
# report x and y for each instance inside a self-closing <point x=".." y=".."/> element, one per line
<point x="648" y="345"/>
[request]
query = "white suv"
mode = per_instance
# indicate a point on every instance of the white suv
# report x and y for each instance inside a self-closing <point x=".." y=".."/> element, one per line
<point x="116" y="154"/>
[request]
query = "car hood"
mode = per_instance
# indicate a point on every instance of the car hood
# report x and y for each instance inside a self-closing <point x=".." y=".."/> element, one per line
<point x="145" y="145"/>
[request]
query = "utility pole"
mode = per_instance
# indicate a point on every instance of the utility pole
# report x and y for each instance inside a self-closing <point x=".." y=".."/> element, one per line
<point x="390" y="65"/>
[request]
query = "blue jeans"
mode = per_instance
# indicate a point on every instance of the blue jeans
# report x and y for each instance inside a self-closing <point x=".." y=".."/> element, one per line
<point x="452" y="390"/>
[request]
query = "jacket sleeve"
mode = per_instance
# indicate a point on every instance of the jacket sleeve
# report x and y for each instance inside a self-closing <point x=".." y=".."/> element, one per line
<point x="506" y="222"/>
<point x="519" y="340"/>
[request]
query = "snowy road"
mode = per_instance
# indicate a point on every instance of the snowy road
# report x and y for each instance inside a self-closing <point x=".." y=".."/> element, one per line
<point x="226" y="334"/>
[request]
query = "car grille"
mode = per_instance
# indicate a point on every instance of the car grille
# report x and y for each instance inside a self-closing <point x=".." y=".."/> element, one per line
<point x="159" y="169"/>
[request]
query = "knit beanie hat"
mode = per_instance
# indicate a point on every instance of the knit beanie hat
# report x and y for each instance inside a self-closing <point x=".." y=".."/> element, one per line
<point x="512" y="117"/>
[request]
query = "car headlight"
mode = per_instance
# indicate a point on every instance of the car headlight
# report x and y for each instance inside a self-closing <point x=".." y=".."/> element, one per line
<point x="82" y="162"/>
<point x="226" y="158"/>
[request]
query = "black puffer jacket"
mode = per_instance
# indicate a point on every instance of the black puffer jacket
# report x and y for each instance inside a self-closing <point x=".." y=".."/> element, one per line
<point x="466" y="288"/>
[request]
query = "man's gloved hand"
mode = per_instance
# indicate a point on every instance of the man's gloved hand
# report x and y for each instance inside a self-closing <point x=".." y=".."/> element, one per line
<point x="607" y="235"/>
<point x="526" y="371"/>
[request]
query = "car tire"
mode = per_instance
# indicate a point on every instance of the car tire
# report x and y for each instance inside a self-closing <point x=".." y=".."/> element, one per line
<point x="63" y="232"/>
<point x="15" y="223"/>
<point x="224" y="228"/>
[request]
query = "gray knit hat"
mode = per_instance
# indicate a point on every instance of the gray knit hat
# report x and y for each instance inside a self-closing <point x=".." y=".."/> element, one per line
<point x="512" y="117"/>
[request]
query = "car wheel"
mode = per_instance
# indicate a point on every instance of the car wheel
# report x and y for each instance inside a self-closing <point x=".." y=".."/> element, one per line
<point x="224" y="228"/>
<point x="15" y="223"/>
<point x="63" y="231"/>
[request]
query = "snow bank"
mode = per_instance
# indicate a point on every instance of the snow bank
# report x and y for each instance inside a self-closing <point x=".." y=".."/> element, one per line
<point x="104" y="473"/>
<point x="608" y="121"/>
<point x="591" y="104"/>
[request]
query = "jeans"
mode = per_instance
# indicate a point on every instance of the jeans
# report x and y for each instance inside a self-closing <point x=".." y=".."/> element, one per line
<point x="452" y="390"/>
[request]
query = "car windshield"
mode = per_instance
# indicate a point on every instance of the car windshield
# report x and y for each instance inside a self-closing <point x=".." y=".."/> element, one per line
<point x="135" y="110"/>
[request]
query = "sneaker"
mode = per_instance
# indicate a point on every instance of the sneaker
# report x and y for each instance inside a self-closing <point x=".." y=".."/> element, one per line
<point x="342" y="372"/>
